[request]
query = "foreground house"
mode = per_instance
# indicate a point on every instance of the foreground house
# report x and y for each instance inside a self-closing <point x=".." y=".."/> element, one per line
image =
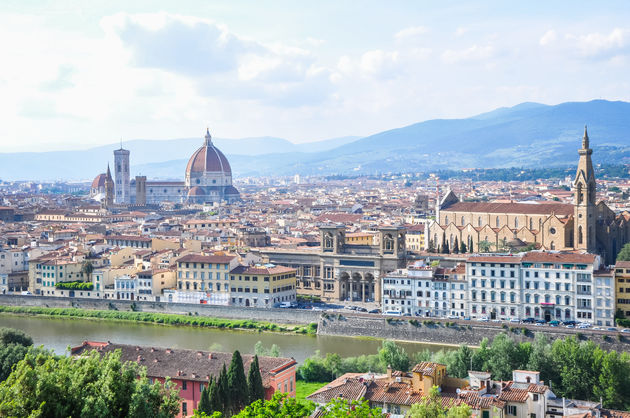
<point x="191" y="370"/>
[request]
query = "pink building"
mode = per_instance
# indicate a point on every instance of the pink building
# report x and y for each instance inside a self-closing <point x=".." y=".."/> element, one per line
<point x="191" y="370"/>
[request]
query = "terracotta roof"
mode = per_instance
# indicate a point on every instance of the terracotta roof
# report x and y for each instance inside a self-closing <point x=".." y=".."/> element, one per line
<point x="338" y="218"/>
<point x="208" y="158"/>
<point x="560" y="209"/>
<point x="99" y="181"/>
<point x="426" y="368"/>
<point x="185" y="364"/>
<point x="494" y="259"/>
<point x="548" y="257"/>
<point x="198" y="258"/>
<point x="623" y="264"/>
<point x="261" y="270"/>
<point x="128" y="237"/>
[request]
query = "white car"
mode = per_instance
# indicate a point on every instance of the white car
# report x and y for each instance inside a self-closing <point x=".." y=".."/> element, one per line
<point x="515" y="320"/>
<point x="625" y="330"/>
<point x="483" y="319"/>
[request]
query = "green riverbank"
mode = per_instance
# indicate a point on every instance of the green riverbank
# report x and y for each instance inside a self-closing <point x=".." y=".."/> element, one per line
<point x="159" y="318"/>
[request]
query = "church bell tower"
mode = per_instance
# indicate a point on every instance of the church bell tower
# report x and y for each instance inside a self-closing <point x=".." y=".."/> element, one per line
<point x="584" y="199"/>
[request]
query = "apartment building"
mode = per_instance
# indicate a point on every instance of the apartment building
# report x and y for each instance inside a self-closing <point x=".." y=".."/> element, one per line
<point x="262" y="286"/>
<point x="622" y="288"/>
<point x="206" y="273"/>
<point x="537" y="284"/>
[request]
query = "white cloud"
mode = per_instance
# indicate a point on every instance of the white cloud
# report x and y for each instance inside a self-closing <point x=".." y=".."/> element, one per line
<point x="590" y="45"/>
<point x="473" y="53"/>
<point x="411" y="32"/>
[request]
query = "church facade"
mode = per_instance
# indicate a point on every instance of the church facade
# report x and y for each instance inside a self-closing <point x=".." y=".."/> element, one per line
<point x="208" y="179"/>
<point x="585" y="224"/>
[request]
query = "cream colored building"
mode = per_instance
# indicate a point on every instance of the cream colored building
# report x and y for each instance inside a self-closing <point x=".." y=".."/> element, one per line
<point x="262" y="286"/>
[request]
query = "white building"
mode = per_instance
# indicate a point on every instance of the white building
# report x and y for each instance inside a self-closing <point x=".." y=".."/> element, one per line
<point x="538" y="284"/>
<point x="126" y="287"/>
<point x="604" y="298"/>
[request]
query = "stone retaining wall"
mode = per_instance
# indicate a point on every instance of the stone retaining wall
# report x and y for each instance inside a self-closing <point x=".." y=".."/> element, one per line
<point x="279" y="316"/>
<point x="461" y="332"/>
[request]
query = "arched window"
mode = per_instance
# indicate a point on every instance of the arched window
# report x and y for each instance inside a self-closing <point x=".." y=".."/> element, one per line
<point x="558" y="300"/>
<point x="497" y="221"/>
<point x="552" y="245"/>
<point x="492" y="296"/>
<point x="531" y="223"/>
<point x="479" y="221"/>
<point x="547" y="299"/>
<point x="502" y="296"/>
<point x="527" y="298"/>
<point x="580" y="239"/>
<point x="462" y="221"/>
<point x="446" y="220"/>
<point x="567" y="300"/>
<point x="512" y="297"/>
<point x="515" y="223"/>
<point x="536" y="298"/>
<point x="580" y="193"/>
<point x="539" y="224"/>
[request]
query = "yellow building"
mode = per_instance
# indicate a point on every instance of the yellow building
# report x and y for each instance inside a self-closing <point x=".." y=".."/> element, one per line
<point x="45" y="273"/>
<point x="262" y="285"/>
<point x="622" y="287"/>
<point x="206" y="273"/>
<point x="360" y="238"/>
<point x="415" y="238"/>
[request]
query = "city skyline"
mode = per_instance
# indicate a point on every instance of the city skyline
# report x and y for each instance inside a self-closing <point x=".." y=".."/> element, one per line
<point x="114" y="70"/>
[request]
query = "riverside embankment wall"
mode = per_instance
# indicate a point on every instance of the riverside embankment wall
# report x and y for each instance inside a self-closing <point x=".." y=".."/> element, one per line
<point x="279" y="316"/>
<point x="460" y="332"/>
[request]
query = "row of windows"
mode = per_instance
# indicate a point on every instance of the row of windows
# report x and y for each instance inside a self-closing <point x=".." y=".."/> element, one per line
<point x="492" y="273"/>
<point x="203" y="265"/>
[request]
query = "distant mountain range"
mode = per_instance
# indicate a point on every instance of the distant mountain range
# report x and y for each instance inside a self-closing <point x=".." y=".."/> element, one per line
<point x="526" y="135"/>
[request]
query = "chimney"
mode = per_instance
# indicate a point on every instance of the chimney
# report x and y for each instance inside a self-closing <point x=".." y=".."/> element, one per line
<point x="389" y="371"/>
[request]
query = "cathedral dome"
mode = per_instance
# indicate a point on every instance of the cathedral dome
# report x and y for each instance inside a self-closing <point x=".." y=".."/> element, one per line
<point x="99" y="181"/>
<point x="208" y="159"/>
<point x="196" y="191"/>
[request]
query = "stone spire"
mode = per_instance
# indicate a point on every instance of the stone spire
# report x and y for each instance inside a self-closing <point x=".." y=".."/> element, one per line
<point x="208" y="141"/>
<point x="585" y="139"/>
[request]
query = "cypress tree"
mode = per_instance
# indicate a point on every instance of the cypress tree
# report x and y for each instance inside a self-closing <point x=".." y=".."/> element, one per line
<point x="223" y="391"/>
<point x="214" y="398"/>
<point x="444" y="249"/>
<point x="456" y="246"/>
<point x="254" y="382"/>
<point x="462" y="248"/>
<point x="237" y="384"/>
<point x="204" y="399"/>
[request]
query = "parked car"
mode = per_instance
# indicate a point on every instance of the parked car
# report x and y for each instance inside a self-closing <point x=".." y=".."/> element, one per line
<point x="554" y="323"/>
<point x="392" y="313"/>
<point x="374" y="311"/>
<point x="515" y="320"/>
<point x="483" y="319"/>
<point x="453" y="317"/>
<point x="529" y="320"/>
<point x="361" y="309"/>
<point x="569" y="323"/>
<point x="569" y="326"/>
<point x="625" y="330"/>
<point x="406" y="314"/>
<point x="612" y="329"/>
<point x="541" y="321"/>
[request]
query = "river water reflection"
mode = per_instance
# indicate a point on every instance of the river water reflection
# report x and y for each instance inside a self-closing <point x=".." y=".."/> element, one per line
<point x="57" y="334"/>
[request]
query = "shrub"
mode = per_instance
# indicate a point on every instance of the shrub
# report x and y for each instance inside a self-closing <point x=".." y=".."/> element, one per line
<point x="76" y="285"/>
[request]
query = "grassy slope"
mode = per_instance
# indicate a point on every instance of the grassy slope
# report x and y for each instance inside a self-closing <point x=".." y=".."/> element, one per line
<point x="303" y="389"/>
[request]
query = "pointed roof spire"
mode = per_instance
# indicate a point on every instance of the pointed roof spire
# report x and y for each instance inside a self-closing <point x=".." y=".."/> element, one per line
<point x="208" y="141"/>
<point x="585" y="139"/>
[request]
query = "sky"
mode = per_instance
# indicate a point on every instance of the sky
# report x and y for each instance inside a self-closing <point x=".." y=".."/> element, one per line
<point x="77" y="74"/>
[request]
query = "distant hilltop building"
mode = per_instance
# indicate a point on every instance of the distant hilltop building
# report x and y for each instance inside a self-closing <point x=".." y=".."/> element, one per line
<point x="584" y="225"/>
<point x="208" y="179"/>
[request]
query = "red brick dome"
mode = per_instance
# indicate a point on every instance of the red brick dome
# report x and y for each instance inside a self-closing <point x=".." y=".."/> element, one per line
<point x="99" y="181"/>
<point x="196" y="191"/>
<point x="207" y="159"/>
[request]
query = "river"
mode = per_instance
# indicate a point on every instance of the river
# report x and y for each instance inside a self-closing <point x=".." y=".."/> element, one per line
<point x="57" y="334"/>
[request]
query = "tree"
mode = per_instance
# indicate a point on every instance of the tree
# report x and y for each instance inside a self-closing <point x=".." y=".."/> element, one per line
<point x="279" y="406"/>
<point x="541" y="359"/>
<point x="480" y="356"/>
<point x="444" y="248"/>
<point x="461" y="363"/>
<point x="624" y="254"/>
<point x="87" y="386"/>
<point x="254" y="382"/>
<point x="237" y="384"/>
<point x="484" y="246"/>
<point x="431" y="407"/>
<point x="14" y="336"/>
<point x="456" y="246"/>
<point x="223" y="390"/>
<point x="462" y="248"/>
<point x="342" y="408"/>
<point x="14" y="344"/>
<point x="576" y="366"/>
<point x="505" y="356"/>
<point x="87" y="268"/>
<point x="394" y="355"/>
<point x="10" y="355"/>
<point x="204" y="399"/>
<point x="431" y="246"/>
